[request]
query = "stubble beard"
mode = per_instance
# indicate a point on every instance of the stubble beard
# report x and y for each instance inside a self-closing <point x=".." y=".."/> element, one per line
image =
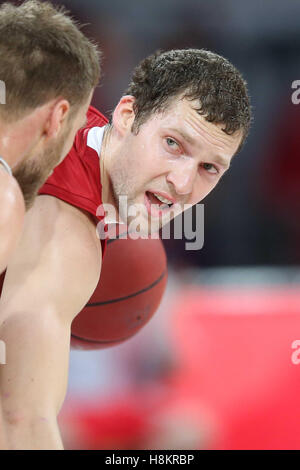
<point x="142" y="220"/>
<point x="31" y="174"/>
<point x="120" y="191"/>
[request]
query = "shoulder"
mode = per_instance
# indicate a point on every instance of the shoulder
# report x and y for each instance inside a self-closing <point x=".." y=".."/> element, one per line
<point x="60" y="253"/>
<point x="57" y="263"/>
<point x="61" y="226"/>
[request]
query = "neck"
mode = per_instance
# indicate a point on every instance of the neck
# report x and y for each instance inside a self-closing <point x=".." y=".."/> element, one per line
<point x="106" y="155"/>
<point x="104" y="166"/>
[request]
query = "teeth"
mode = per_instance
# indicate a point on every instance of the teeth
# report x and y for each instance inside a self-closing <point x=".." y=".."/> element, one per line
<point x="162" y="199"/>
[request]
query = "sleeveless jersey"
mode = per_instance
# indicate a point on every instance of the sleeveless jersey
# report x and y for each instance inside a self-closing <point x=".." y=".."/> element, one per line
<point x="77" y="180"/>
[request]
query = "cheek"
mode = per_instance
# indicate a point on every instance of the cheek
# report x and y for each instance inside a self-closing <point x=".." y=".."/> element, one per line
<point x="144" y="162"/>
<point x="203" y="186"/>
<point x="157" y="162"/>
<point x="150" y="149"/>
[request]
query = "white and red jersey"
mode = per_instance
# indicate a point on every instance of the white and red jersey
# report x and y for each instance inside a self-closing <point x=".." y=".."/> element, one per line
<point x="77" y="180"/>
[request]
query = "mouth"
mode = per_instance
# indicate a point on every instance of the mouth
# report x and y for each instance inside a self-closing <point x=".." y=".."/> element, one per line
<point x="157" y="204"/>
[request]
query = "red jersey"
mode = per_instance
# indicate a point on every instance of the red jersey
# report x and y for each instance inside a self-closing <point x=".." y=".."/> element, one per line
<point x="77" y="180"/>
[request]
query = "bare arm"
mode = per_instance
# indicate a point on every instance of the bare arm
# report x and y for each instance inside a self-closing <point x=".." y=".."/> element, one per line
<point x="11" y="217"/>
<point x="51" y="277"/>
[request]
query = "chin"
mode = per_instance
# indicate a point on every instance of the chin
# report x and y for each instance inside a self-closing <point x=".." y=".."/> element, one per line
<point x="142" y="228"/>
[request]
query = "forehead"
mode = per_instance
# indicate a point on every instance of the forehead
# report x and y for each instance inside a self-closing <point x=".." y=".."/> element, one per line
<point x="181" y="116"/>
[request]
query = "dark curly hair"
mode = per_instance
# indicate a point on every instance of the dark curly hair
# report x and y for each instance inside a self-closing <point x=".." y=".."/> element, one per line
<point x="194" y="74"/>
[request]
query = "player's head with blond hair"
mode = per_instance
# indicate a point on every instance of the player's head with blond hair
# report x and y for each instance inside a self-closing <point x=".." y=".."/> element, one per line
<point x="44" y="55"/>
<point x="50" y="69"/>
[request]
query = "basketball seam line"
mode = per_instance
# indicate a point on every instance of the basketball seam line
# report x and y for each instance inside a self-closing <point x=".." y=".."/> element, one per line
<point x="123" y="236"/>
<point x="145" y="289"/>
<point x="102" y="341"/>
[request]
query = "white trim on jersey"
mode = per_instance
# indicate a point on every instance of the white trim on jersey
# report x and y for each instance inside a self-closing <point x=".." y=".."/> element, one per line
<point x="94" y="138"/>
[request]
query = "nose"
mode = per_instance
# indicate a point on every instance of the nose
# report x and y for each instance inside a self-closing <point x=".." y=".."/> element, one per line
<point x="183" y="177"/>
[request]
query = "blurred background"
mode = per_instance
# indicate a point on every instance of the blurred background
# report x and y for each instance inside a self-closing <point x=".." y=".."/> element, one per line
<point x="214" y="369"/>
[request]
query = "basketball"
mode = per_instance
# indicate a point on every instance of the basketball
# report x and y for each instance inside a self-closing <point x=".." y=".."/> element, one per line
<point x="132" y="282"/>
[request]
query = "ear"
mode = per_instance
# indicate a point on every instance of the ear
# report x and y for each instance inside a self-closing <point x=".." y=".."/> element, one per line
<point x="57" y="117"/>
<point x="123" y="115"/>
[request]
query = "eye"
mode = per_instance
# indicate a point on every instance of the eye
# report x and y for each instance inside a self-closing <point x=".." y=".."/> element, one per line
<point x="172" y="143"/>
<point x="210" y="168"/>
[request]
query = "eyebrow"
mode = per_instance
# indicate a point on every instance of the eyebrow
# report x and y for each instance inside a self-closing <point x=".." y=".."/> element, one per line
<point x="185" y="136"/>
<point x="220" y="160"/>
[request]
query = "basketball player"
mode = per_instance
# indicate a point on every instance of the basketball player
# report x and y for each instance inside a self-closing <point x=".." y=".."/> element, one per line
<point x="49" y="69"/>
<point x="172" y="137"/>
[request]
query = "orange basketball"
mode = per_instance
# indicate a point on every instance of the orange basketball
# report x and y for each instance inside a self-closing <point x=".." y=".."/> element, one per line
<point x="132" y="283"/>
<point x="133" y="280"/>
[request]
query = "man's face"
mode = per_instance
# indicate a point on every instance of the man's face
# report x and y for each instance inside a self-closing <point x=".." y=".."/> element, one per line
<point x="176" y="155"/>
<point x="34" y="170"/>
